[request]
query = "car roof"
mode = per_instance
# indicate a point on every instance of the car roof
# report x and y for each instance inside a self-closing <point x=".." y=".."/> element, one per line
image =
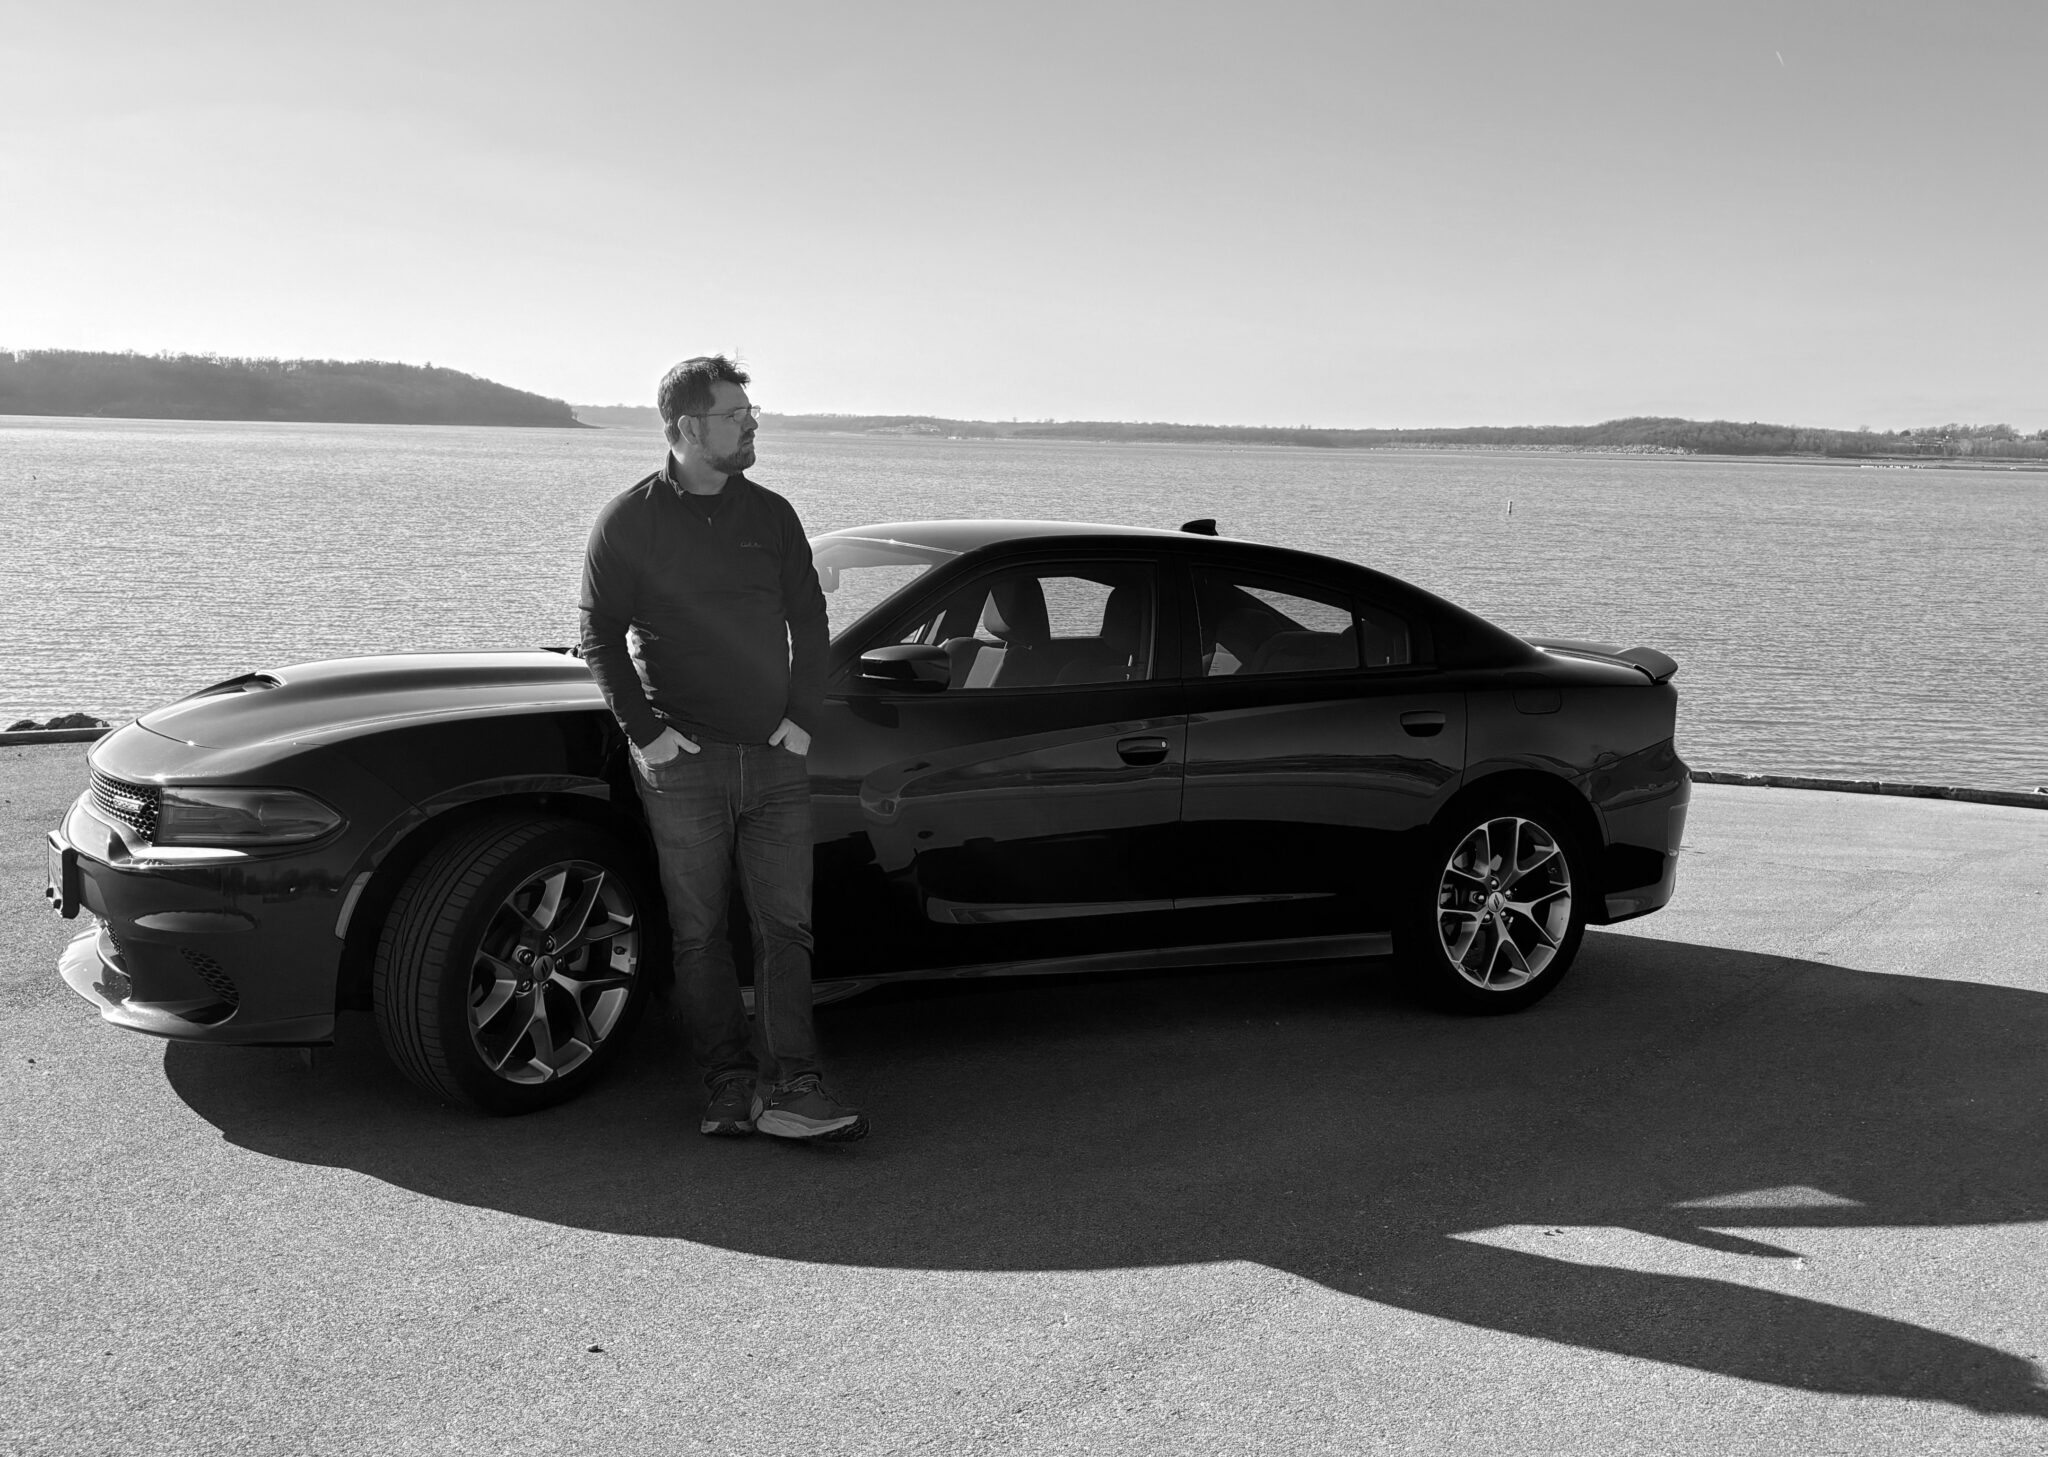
<point x="970" y="535"/>
<point x="959" y="538"/>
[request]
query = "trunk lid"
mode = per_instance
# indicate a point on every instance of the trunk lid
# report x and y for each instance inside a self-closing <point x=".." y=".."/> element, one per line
<point x="1655" y="666"/>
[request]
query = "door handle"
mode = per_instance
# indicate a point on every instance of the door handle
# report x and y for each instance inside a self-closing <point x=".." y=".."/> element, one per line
<point x="1424" y="723"/>
<point x="1141" y="751"/>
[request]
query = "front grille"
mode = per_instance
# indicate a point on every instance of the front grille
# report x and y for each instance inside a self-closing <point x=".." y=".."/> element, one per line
<point x="134" y="805"/>
<point x="211" y="973"/>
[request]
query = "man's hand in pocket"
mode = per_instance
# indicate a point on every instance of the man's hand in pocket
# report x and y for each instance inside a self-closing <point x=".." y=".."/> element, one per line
<point x="791" y="737"/>
<point x="665" y="748"/>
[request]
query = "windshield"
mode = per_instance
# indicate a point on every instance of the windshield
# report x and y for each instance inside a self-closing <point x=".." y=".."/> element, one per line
<point x="859" y="573"/>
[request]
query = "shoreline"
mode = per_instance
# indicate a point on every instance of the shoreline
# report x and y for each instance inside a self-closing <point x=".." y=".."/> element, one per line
<point x="1593" y="452"/>
<point x="526" y="425"/>
<point x="2027" y="464"/>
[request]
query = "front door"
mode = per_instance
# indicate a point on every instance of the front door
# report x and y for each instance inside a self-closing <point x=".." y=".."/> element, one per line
<point x="1028" y="811"/>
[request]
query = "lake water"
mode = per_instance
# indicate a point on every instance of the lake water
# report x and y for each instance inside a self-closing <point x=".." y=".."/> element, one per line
<point x="1828" y="620"/>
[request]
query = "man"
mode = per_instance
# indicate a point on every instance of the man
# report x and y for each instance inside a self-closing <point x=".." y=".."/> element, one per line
<point x="718" y="691"/>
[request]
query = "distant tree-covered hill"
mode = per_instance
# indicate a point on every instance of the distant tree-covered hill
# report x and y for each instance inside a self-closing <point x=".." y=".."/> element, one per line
<point x="209" y="387"/>
<point x="1642" y="434"/>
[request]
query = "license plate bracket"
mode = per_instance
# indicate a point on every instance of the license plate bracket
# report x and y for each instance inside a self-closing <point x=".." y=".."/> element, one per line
<point x="62" y="863"/>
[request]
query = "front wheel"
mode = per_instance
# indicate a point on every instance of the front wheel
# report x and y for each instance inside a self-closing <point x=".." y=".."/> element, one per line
<point x="1496" y="917"/>
<point x="508" y="971"/>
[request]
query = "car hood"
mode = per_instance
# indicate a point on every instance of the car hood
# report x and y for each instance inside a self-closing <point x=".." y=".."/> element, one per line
<point x="345" y="697"/>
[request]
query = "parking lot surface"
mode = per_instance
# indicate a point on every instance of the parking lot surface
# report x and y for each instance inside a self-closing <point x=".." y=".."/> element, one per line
<point x="1767" y="1174"/>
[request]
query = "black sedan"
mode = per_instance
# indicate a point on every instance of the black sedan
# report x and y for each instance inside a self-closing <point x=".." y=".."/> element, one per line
<point x="1047" y="747"/>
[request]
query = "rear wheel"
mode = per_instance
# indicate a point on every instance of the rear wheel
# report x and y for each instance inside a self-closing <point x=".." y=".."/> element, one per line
<point x="1495" y="920"/>
<point x="509" y="969"/>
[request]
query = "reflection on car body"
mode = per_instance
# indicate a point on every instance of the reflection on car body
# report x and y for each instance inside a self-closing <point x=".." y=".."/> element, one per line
<point x="1046" y="747"/>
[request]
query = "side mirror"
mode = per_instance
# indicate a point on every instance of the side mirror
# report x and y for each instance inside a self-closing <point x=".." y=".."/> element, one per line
<point x="907" y="667"/>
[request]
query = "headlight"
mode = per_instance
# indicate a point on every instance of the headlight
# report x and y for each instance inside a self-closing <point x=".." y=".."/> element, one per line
<point x="198" y="815"/>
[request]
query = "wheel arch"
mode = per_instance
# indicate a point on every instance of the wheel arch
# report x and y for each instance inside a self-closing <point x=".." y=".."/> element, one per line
<point x="366" y="919"/>
<point x="1551" y="789"/>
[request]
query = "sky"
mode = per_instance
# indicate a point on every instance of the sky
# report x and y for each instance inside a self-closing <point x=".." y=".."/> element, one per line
<point x="1355" y="214"/>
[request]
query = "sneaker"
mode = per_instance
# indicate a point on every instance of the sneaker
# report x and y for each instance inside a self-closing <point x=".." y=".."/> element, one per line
<point x="731" y="1111"/>
<point x="803" y="1109"/>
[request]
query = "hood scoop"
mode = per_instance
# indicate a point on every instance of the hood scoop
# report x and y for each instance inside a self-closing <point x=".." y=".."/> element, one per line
<point x="247" y="683"/>
<point x="320" y="700"/>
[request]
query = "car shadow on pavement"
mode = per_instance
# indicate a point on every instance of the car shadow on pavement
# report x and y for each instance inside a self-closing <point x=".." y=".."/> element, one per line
<point x="1630" y="1167"/>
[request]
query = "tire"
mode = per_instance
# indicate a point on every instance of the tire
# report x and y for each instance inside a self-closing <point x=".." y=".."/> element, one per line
<point x="1494" y="918"/>
<point x="508" y="972"/>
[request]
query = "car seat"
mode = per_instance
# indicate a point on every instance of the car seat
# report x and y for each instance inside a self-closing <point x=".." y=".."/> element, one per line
<point x="1015" y="616"/>
<point x="1114" y="656"/>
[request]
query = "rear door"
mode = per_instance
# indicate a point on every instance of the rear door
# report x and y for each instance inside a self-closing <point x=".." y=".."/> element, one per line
<point x="1032" y="808"/>
<point x="1317" y="738"/>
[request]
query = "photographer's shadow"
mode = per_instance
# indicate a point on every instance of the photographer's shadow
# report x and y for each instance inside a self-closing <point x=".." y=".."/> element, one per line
<point x="1670" y="1100"/>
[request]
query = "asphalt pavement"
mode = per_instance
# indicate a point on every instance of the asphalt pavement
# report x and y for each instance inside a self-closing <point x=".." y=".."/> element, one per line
<point x="1766" y="1174"/>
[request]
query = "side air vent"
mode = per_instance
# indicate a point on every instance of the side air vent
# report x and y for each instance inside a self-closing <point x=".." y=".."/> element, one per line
<point x="113" y="983"/>
<point x="211" y="972"/>
<point x="134" y="805"/>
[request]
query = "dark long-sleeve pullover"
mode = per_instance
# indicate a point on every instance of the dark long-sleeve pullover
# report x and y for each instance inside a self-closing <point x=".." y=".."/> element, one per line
<point x="727" y="620"/>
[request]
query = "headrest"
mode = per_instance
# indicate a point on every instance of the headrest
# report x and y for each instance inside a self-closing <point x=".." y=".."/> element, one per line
<point x="1243" y="630"/>
<point x="1304" y="652"/>
<point x="1123" y="619"/>
<point x="1015" y="611"/>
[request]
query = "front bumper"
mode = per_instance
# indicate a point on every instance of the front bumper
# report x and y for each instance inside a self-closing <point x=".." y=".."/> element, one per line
<point x="91" y="967"/>
<point x="241" y="953"/>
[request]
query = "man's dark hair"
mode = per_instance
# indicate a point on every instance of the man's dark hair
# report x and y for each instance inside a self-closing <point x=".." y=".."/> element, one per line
<point x="686" y="389"/>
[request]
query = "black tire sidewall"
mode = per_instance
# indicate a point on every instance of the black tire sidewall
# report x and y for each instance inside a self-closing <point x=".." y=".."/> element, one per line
<point x="447" y="911"/>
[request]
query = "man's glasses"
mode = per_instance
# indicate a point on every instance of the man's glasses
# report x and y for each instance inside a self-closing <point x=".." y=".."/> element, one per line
<point x="748" y="412"/>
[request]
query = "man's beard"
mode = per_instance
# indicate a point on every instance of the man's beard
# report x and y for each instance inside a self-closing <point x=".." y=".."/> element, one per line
<point x="736" y="462"/>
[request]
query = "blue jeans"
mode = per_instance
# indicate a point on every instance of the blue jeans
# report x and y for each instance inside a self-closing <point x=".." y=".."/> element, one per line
<point x="744" y="805"/>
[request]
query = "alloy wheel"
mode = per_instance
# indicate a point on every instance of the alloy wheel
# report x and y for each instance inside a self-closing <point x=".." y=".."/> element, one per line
<point x="553" y="972"/>
<point x="1504" y="903"/>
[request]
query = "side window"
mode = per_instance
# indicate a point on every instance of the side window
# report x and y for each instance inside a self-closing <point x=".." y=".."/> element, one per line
<point x="1048" y="627"/>
<point x="1250" y="627"/>
<point x="1383" y="637"/>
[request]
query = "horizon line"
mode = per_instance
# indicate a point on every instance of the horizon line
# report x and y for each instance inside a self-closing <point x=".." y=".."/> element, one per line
<point x="937" y="419"/>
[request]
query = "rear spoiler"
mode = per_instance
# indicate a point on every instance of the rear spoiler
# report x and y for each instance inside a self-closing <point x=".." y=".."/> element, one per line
<point x="1657" y="666"/>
